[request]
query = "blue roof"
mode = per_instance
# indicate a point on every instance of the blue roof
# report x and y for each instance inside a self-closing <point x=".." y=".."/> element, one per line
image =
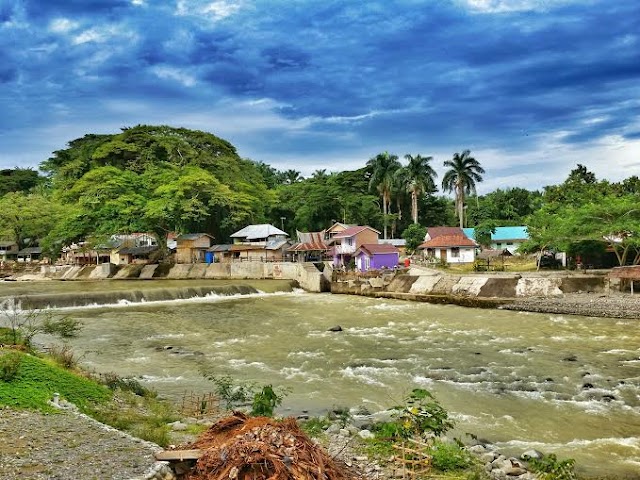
<point x="502" y="233"/>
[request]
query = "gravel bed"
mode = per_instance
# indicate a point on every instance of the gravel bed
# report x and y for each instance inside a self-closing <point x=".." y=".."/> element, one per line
<point x="587" y="304"/>
<point x="68" y="446"/>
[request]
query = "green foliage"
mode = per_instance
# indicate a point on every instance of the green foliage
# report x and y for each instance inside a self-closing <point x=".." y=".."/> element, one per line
<point x="422" y="416"/>
<point x="342" y="415"/>
<point x="550" y="468"/>
<point x="484" y="231"/>
<point x="38" y="379"/>
<point x="18" y="180"/>
<point x="9" y="365"/>
<point x="447" y="456"/>
<point x="265" y="401"/>
<point x="315" y="426"/>
<point x="115" y="382"/>
<point x="414" y="235"/>
<point x="23" y="325"/>
<point x="65" y="327"/>
<point x="230" y="392"/>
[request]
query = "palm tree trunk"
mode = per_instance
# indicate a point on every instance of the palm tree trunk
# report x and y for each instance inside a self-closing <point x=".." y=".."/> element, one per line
<point x="414" y="206"/>
<point x="384" y="213"/>
<point x="460" y="197"/>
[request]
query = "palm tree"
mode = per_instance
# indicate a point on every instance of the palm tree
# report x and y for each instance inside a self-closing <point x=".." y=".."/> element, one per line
<point x="461" y="178"/>
<point x="383" y="168"/>
<point x="418" y="177"/>
<point x="291" y="176"/>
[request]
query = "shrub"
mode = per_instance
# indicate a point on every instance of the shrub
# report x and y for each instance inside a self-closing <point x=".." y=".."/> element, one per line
<point x="65" y="327"/>
<point x="265" y="401"/>
<point x="550" y="468"/>
<point x="231" y="393"/>
<point x="315" y="426"/>
<point x="449" y="456"/>
<point x="113" y="381"/>
<point x="422" y="416"/>
<point x="64" y="356"/>
<point x="9" y="365"/>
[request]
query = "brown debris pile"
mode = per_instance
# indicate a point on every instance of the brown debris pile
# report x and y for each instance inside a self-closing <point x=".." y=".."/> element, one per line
<point x="260" y="448"/>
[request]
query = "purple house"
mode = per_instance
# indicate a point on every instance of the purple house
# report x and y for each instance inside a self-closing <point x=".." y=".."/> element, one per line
<point x="374" y="256"/>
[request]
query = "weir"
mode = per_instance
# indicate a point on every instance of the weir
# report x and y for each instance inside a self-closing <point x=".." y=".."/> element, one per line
<point x="114" y="297"/>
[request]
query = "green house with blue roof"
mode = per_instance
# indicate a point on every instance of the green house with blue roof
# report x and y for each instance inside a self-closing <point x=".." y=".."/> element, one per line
<point x="508" y="238"/>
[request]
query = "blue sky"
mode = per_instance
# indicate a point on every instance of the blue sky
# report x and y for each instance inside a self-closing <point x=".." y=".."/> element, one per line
<point x="531" y="87"/>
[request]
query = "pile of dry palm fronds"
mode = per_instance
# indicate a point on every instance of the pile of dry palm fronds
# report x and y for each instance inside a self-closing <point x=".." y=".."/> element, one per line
<point x="260" y="448"/>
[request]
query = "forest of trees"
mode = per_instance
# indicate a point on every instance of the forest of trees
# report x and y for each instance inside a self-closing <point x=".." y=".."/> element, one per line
<point x="160" y="179"/>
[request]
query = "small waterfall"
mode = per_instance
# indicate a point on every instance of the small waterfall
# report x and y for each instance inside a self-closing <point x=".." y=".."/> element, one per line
<point x="83" y="299"/>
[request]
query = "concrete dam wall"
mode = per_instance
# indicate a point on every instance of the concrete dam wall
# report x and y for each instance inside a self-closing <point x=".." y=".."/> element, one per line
<point x="307" y="275"/>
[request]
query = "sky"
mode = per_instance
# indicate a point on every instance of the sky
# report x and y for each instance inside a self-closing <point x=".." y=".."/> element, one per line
<point x="531" y="87"/>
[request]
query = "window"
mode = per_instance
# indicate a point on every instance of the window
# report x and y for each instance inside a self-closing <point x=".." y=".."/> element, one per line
<point x="455" y="252"/>
<point x="509" y="243"/>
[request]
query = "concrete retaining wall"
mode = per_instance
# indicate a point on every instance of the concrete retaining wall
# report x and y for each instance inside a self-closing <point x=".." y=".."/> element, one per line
<point x="473" y="285"/>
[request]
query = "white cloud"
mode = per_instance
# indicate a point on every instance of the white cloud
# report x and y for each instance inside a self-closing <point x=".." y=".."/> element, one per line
<point x="102" y="34"/>
<point x="217" y="10"/>
<point x="174" y="74"/>
<point x="506" y="6"/>
<point x="62" y="25"/>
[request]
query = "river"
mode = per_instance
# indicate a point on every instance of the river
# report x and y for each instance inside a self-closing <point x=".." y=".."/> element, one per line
<point x="568" y="385"/>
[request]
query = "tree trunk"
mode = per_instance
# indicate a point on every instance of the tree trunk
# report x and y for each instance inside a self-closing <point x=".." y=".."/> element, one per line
<point x="384" y="213"/>
<point x="414" y="206"/>
<point x="460" y="195"/>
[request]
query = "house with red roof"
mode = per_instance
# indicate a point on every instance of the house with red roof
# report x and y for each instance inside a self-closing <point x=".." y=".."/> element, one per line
<point x="375" y="256"/>
<point x="349" y="240"/>
<point x="448" y="244"/>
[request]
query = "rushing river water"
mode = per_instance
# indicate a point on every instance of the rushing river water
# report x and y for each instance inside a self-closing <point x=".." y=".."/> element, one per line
<point x="562" y="384"/>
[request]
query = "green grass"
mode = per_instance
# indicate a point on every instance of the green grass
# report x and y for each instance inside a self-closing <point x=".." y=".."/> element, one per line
<point x="314" y="426"/>
<point x="38" y="379"/>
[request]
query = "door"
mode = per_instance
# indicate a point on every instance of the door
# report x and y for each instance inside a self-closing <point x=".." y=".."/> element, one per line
<point x="443" y="254"/>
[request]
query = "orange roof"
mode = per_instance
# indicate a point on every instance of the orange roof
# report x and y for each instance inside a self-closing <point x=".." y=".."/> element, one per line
<point x="445" y="241"/>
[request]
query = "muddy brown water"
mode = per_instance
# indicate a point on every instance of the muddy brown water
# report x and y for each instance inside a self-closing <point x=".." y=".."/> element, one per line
<point x="568" y="385"/>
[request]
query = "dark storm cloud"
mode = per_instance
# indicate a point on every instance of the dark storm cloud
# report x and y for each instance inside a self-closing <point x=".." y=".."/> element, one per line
<point x="340" y="75"/>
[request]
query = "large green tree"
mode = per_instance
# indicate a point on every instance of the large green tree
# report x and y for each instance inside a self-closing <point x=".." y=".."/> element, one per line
<point x="461" y="178"/>
<point x="383" y="168"/>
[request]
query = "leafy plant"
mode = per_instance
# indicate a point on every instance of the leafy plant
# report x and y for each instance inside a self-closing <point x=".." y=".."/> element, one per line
<point x="422" y="416"/>
<point x="449" y="456"/>
<point x="9" y="365"/>
<point x="342" y="415"/>
<point x="25" y="324"/>
<point x="114" y="381"/>
<point x="265" y="401"/>
<point x="315" y="426"/>
<point x="550" y="468"/>
<point x="231" y="393"/>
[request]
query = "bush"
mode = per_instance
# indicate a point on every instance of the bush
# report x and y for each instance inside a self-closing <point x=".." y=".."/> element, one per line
<point x="65" y="327"/>
<point x="550" y="468"/>
<point x="9" y="365"/>
<point x="315" y="426"/>
<point x="231" y="393"/>
<point x="113" y="381"/>
<point x="265" y="401"/>
<point x="449" y="456"/>
<point x="422" y="416"/>
<point x="64" y="356"/>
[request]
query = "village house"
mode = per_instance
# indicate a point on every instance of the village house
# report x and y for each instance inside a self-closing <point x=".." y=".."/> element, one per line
<point x="119" y="249"/>
<point x="399" y="243"/>
<point x="350" y="240"/>
<point x="261" y="242"/>
<point x="29" y="254"/>
<point x="448" y="244"/>
<point x="8" y="250"/>
<point x="311" y="246"/>
<point x="192" y="247"/>
<point x="376" y="256"/>
<point x="509" y="238"/>
<point x="219" y="253"/>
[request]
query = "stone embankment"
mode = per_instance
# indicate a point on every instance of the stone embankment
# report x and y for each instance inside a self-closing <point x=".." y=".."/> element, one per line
<point x="585" y="294"/>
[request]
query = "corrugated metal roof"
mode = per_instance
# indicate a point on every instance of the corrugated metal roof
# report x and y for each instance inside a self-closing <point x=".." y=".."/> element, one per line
<point x="445" y="241"/>
<point x="137" y="250"/>
<point x="502" y="233"/>
<point x="435" y="232"/>
<point x="193" y="236"/>
<point x="253" y="232"/>
<point x="276" y="244"/>
<point x="376" y="248"/>
<point x="220" y="248"/>
<point x="30" y="251"/>
<point x="396" y="242"/>
<point x="351" y="231"/>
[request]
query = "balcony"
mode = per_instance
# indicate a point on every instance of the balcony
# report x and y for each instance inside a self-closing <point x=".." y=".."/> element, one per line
<point x="345" y="249"/>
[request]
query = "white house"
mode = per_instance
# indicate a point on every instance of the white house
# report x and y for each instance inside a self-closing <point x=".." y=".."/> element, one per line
<point x="509" y="238"/>
<point x="448" y="244"/>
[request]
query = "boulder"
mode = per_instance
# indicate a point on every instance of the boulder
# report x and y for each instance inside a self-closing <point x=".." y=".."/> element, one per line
<point x="366" y="434"/>
<point x="337" y="328"/>
<point x="529" y="454"/>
